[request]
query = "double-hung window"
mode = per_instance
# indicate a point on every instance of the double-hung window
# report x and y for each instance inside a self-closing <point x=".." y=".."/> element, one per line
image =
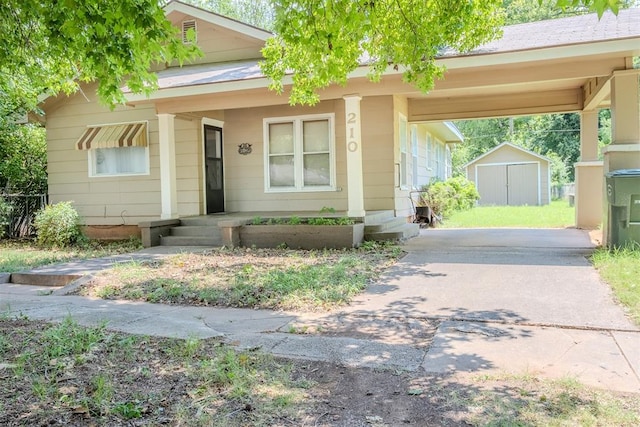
<point x="414" y="156"/>
<point x="403" y="151"/>
<point x="299" y="153"/>
<point x="430" y="152"/>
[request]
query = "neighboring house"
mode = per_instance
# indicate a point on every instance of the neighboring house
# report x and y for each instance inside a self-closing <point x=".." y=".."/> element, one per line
<point x="508" y="175"/>
<point x="214" y="139"/>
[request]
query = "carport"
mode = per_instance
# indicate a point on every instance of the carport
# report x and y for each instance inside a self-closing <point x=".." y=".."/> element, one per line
<point x="578" y="64"/>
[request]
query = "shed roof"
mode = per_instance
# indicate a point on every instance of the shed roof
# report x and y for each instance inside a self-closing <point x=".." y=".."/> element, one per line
<point x="507" y="144"/>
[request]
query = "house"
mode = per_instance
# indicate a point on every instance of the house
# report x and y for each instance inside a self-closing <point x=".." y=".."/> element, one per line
<point x="213" y="139"/>
<point x="508" y="175"/>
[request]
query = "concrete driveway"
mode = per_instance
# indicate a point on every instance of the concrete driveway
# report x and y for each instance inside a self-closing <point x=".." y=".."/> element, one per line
<point x="488" y="301"/>
<point x="514" y="300"/>
<point x="527" y="276"/>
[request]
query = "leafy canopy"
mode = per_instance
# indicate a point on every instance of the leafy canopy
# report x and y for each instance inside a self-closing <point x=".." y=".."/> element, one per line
<point x="319" y="42"/>
<point x="49" y="46"/>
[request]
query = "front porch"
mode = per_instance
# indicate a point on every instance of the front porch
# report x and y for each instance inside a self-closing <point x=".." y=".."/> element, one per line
<point x="218" y="229"/>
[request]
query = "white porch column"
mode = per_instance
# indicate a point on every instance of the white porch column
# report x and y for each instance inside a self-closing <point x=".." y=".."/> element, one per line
<point x="588" y="174"/>
<point x="624" y="150"/>
<point x="168" y="192"/>
<point x="355" y="181"/>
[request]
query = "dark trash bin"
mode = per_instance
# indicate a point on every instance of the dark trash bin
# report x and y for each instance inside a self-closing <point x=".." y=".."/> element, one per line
<point x="623" y="198"/>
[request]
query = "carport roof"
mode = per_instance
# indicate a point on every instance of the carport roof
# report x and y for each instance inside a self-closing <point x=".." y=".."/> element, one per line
<point x="562" y="32"/>
<point x="529" y="36"/>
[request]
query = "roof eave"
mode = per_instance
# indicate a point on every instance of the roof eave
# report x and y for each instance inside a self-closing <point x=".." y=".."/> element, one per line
<point x="629" y="46"/>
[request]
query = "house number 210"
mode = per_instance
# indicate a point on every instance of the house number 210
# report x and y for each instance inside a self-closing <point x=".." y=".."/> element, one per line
<point x="352" y="145"/>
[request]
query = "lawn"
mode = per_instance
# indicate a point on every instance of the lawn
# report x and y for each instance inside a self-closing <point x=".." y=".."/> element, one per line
<point x="66" y="374"/>
<point x="17" y="255"/>
<point x="558" y="214"/>
<point x="278" y="279"/>
<point x="620" y="268"/>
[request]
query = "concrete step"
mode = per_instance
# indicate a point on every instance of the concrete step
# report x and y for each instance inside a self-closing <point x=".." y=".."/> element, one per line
<point x="405" y="231"/>
<point x="42" y="279"/>
<point x="374" y="217"/>
<point x="204" y="220"/>
<point x="196" y="231"/>
<point x="385" y="224"/>
<point x="190" y="241"/>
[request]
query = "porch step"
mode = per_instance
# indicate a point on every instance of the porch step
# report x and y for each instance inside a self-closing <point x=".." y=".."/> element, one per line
<point x="201" y="221"/>
<point x="196" y="231"/>
<point x="190" y="241"/>
<point x="401" y="232"/>
<point x="384" y="225"/>
<point x="376" y="217"/>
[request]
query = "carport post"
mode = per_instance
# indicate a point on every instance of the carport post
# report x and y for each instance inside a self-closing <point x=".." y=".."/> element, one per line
<point x="167" y="143"/>
<point x="589" y="175"/>
<point x="624" y="150"/>
<point x="355" y="181"/>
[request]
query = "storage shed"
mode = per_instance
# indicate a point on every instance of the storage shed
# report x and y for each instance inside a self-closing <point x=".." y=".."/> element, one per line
<point x="509" y="175"/>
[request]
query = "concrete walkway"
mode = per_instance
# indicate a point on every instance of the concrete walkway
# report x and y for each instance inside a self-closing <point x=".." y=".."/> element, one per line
<point x="497" y="300"/>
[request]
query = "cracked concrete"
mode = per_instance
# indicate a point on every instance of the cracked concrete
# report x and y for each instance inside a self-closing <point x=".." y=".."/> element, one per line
<point x="461" y="302"/>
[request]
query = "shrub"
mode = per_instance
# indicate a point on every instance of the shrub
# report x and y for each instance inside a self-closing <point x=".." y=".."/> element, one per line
<point x="5" y="216"/>
<point x="58" y="225"/>
<point x="446" y="197"/>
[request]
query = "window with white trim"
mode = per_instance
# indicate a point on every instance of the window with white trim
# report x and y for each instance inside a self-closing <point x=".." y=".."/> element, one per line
<point x="448" y="161"/>
<point x="403" y="150"/>
<point x="430" y="152"/>
<point x="414" y="156"/>
<point x="299" y="153"/>
<point x="118" y="161"/>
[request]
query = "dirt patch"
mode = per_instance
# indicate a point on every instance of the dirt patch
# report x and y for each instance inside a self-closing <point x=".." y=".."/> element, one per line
<point x="143" y="381"/>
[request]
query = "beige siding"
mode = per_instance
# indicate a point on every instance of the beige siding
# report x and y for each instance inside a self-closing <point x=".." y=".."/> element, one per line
<point x="245" y="174"/>
<point x="220" y="44"/>
<point x="115" y="200"/>
<point x="378" y="133"/>
<point x="131" y="199"/>
<point x="402" y="204"/>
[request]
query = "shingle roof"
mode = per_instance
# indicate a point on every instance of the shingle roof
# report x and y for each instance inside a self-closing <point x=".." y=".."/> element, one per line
<point x="563" y="31"/>
<point x="208" y="73"/>
<point x="534" y="35"/>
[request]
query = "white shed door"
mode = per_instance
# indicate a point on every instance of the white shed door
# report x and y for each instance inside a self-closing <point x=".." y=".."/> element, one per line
<point x="492" y="185"/>
<point x="512" y="185"/>
<point x="522" y="184"/>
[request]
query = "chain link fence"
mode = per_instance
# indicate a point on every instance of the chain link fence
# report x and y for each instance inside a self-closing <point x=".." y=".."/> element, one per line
<point x="21" y="211"/>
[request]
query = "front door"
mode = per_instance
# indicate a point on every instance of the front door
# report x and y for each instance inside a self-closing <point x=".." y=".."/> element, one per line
<point x="213" y="169"/>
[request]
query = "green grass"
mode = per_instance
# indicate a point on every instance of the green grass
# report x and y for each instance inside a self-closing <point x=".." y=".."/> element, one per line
<point x="558" y="214"/>
<point x="17" y="255"/>
<point x="76" y="375"/>
<point x="529" y="401"/>
<point x="279" y="279"/>
<point x="620" y="268"/>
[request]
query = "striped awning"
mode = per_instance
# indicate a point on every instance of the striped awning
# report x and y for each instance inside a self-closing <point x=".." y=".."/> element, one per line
<point x="113" y="136"/>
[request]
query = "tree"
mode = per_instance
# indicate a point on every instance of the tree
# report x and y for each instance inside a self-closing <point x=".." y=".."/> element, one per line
<point x="258" y="13"/>
<point x="23" y="159"/>
<point x="49" y="46"/>
<point x="320" y="42"/>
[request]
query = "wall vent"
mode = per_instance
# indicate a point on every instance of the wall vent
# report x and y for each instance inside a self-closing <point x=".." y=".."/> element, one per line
<point x="186" y="26"/>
